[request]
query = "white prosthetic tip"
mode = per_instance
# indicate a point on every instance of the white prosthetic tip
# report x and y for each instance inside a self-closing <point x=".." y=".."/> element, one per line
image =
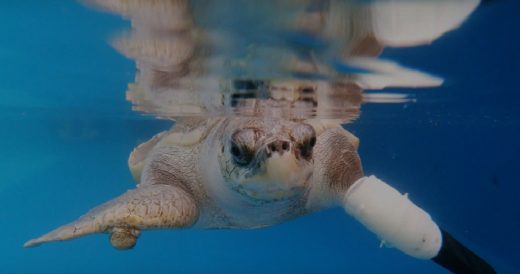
<point x="393" y="218"/>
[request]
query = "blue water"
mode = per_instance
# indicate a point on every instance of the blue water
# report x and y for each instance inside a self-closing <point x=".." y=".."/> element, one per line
<point x="66" y="132"/>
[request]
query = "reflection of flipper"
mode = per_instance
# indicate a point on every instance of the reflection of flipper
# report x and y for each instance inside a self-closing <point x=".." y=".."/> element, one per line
<point x="402" y="224"/>
<point x="459" y="259"/>
<point x="147" y="207"/>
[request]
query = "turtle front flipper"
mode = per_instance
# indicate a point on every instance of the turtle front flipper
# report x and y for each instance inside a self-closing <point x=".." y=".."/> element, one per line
<point x="147" y="207"/>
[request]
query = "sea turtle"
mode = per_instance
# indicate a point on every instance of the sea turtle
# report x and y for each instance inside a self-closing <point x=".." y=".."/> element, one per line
<point x="251" y="172"/>
<point x="225" y="173"/>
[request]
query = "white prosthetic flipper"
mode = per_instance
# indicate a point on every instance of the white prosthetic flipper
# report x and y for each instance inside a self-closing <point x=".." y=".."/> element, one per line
<point x="400" y="223"/>
<point x="396" y="220"/>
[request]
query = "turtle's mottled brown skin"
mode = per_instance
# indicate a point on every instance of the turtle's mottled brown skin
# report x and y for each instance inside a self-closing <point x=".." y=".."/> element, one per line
<point x="225" y="173"/>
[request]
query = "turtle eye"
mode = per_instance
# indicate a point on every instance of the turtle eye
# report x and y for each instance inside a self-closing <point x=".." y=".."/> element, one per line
<point x="241" y="155"/>
<point x="312" y="142"/>
<point x="235" y="150"/>
<point x="242" y="146"/>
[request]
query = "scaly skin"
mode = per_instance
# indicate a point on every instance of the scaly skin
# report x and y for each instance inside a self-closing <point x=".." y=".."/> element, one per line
<point x="190" y="176"/>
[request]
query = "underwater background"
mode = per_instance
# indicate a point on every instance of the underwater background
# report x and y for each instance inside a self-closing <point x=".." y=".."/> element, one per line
<point x="66" y="131"/>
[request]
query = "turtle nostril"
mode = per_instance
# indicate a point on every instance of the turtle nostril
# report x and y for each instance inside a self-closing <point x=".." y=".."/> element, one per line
<point x="272" y="147"/>
<point x="285" y="145"/>
<point x="278" y="146"/>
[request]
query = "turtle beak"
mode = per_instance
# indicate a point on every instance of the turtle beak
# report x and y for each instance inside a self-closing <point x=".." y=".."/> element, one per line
<point x="278" y="165"/>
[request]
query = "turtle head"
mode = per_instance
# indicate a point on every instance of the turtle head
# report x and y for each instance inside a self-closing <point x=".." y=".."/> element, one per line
<point x="268" y="160"/>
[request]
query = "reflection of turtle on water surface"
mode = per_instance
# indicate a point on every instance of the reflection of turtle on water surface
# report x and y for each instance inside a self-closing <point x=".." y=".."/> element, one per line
<point x="288" y="156"/>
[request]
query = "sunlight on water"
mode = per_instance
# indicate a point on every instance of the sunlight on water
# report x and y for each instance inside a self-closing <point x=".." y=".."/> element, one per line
<point x="288" y="59"/>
